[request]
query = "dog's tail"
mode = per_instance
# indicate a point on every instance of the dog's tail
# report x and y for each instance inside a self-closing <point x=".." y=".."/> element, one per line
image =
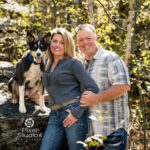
<point x="10" y="84"/>
<point x="13" y="88"/>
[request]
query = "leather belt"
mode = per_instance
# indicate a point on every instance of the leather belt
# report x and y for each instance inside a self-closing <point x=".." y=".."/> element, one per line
<point x="59" y="106"/>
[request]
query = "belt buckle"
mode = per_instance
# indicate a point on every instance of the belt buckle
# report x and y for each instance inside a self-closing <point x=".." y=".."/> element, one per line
<point x="56" y="106"/>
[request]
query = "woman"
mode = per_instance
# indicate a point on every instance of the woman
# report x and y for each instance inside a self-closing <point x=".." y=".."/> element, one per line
<point x="65" y="79"/>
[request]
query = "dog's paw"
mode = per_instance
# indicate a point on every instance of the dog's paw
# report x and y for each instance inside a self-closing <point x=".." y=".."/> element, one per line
<point x="14" y="101"/>
<point x="44" y="109"/>
<point x="22" y="109"/>
<point x="47" y="113"/>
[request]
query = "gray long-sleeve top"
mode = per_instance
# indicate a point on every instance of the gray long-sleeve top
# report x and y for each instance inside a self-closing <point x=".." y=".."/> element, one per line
<point x="68" y="80"/>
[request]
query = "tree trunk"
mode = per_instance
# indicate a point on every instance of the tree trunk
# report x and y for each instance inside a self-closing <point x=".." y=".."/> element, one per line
<point x="54" y="10"/>
<point x="90" y="5"/>
<point x="75" y="23"/>
<point x="130" y="30"/>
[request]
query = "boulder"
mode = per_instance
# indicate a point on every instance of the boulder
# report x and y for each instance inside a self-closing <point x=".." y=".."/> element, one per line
<point x="6" y="71"/>
<point x="20" y="131"/>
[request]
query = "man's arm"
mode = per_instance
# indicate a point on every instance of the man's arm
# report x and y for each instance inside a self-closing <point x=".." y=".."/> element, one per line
<point x="89" y="98"/>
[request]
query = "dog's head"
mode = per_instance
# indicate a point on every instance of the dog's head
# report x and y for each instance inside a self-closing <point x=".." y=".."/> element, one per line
<point x="38" y="47"/>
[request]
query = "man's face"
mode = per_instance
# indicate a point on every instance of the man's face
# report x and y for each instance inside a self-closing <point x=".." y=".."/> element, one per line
<point x="87" y="42"/>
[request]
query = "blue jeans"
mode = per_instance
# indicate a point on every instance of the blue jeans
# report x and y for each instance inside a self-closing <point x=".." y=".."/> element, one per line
<point x="55" y="133"/>
<point x="117" y="140"/>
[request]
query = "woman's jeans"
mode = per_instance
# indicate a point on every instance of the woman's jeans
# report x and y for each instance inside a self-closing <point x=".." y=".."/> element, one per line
<point x="55" y="133"/>
<point x="117" y="140"/>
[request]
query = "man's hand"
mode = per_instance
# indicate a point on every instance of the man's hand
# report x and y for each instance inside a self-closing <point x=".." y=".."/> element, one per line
<point x="69" y="120"/>
<point x="88" y="98"/>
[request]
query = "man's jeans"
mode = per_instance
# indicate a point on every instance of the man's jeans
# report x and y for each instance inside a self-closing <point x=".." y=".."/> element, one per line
<point x="117" y="140"/>
<point x="55" y="133"/>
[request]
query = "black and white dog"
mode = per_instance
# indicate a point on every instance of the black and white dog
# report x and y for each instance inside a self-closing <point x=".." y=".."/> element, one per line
<point x="28" y="74"/>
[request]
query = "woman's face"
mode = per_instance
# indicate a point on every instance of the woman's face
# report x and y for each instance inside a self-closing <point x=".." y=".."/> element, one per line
<point x="57" y="46"/>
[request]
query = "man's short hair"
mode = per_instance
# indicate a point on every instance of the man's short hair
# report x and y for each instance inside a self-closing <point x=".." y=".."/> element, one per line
<point x="84" y="26"/>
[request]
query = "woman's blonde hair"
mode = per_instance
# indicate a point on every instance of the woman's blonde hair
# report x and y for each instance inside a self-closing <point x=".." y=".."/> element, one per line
<point x="69" y="43"/>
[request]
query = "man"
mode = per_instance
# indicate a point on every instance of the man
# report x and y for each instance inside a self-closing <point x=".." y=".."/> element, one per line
<point x="109" y="108"/>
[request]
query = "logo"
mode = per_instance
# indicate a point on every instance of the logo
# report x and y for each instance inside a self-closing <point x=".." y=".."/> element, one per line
<point x="29" y="131"/>
<point x="29" y="122"/>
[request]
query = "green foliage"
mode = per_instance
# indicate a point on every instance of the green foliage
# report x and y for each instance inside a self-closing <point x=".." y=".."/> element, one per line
<point x="40" y="16"/>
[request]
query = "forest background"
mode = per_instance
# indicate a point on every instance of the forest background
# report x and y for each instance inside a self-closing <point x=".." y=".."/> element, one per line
<point x="122" y="26"/>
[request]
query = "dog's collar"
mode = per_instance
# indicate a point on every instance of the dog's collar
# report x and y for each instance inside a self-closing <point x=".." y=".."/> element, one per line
<point x="30" y="58"/>
<point x="36" y="63"/>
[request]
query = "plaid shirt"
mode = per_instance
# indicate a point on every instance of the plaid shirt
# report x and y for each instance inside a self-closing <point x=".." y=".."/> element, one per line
<point x="108" y="69"/>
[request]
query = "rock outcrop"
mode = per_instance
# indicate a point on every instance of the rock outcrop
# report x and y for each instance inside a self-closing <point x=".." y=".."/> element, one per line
<point x="6" y="71"/>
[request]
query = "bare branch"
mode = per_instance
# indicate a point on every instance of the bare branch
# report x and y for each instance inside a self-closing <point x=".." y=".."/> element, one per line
<point x="110" y="17"/>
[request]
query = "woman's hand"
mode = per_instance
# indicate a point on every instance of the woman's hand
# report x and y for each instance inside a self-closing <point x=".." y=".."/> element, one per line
<point x="69" y="120"/>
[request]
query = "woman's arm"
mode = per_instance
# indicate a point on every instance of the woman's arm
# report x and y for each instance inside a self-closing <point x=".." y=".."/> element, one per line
<point x="86" y="82"/>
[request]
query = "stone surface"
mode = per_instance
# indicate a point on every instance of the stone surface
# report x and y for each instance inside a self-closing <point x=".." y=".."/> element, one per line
<point x="20" y="131"/>
<point x="6" y="71"/>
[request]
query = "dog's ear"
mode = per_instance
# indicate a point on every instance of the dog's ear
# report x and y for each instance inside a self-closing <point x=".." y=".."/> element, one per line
<point x="47" y="37"/>
<point x="30" y="37"/>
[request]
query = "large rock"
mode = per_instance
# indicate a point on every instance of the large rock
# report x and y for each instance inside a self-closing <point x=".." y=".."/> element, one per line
<point x="6" y="71"/>
<point x="20" y="131"/>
